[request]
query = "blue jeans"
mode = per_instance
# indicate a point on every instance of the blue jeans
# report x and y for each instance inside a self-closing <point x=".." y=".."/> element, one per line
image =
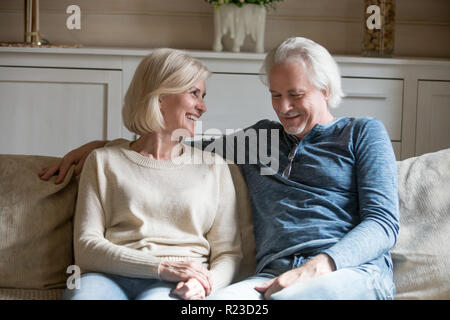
<point x="366" y="282"/>
<point x="101" y="286"/>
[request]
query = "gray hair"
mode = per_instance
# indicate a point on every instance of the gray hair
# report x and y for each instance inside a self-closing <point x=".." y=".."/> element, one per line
<point x="323" y="71"/>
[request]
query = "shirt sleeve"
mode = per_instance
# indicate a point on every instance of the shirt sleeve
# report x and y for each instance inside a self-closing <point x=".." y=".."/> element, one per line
<point x="224" y="235"/>
<point x="93" y="252"/>
<point x="376" y="172"/>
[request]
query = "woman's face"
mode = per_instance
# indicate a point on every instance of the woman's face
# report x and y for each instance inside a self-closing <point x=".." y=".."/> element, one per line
<point x="182" y="110"/>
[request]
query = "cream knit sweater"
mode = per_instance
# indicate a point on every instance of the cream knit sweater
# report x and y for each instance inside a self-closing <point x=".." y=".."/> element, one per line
<point x="133" y="212"/>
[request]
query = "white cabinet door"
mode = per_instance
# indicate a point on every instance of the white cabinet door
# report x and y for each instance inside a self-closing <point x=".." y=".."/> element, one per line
<point x="49" y="111"/>
<point x="433" y="116"/>
<point x="378" y="98"/>
<point x="235" y="101"/>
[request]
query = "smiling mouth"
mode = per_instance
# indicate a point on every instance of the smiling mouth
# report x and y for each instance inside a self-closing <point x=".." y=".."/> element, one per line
<point x="191" y="117"/>
<point x="291" y="117"/>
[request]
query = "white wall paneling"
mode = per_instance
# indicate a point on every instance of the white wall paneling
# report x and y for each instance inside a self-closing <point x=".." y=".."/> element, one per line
<point x="378" y="98"/>
<point x="46" y="85"/>
<point x="236" y="101"/>
<point x="433" y="116"/>
<point x="48" y="111"/>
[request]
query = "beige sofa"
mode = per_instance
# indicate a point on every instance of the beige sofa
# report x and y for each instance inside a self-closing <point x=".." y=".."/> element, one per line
<point x="36" y="228"/>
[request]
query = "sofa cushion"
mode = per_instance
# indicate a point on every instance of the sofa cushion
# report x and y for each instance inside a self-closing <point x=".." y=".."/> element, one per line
<point x="35" y="224"/>
<point x="421" y="256"/>
<point x="248" y="263"/>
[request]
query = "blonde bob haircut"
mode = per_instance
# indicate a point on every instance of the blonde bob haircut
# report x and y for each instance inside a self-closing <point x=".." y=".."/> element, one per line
<point x="162" y="72"/>
<point x="323" y="71"/>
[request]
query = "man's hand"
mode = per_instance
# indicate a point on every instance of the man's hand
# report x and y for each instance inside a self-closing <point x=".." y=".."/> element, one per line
<point x="190" y="290"/>
<point x="317" y="266"/>
<point x="182" y="271"/>
<point x="75" y="157"/>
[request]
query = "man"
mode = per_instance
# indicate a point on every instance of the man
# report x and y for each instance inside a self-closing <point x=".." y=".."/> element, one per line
<point x="325" y="221"/>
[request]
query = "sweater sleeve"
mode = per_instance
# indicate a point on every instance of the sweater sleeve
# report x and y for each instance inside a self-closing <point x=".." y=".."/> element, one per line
<point x="376" y="171"/>
<point x="92" y="251"/>
<point x="224" y="236"/>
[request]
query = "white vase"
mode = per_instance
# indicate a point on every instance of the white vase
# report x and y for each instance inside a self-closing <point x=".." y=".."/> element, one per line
<point x="250" y="19"/>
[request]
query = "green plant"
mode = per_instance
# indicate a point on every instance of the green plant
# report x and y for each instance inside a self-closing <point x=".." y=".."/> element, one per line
<point x="240" y="3"/>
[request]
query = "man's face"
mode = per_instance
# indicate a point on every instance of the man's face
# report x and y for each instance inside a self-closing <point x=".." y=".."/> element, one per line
<point x="298" y="104"/>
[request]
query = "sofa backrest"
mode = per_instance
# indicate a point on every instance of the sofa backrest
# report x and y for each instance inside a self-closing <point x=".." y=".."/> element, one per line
<point x="422" y="253"/>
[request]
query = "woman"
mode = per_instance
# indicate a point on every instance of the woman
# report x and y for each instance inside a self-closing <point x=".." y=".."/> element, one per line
<point x="150" y="223"/>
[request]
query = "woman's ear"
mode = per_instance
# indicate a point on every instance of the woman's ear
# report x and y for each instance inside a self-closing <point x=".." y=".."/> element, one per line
<point x="161" y="101"/>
